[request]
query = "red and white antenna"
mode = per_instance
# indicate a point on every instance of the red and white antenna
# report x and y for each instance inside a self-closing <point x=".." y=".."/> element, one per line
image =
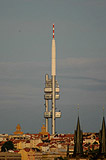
<point x="53" y="31"/>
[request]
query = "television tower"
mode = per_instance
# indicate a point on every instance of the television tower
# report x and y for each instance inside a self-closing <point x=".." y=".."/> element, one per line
<point x="51" y="91"/>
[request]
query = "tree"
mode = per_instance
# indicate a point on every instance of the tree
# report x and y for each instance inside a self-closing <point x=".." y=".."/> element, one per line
<point x="7" y="146"/>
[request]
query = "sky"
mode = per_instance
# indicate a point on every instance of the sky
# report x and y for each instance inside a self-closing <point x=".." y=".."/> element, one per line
<point x="25" y="58"/>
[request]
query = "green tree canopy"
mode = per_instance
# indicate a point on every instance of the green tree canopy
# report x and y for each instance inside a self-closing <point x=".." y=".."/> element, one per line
<point x="7" y="146"/>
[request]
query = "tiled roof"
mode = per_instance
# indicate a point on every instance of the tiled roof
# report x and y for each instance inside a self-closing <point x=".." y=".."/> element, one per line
<point x="27" y="141"/>
<point x="27" y="149"/>
<point x="40" y="144"/>
<point x="45" y="144"/>
<point x="52" y="146"/>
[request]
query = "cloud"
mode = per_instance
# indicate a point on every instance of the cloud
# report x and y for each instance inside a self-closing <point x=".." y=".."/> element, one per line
<point x="23" y="70"/>
<point x="83" y="67"/>
<point x="86" y="78"/>
<point x="96" y="3"/>
<point x="21" y="83"/>
<point x="82" y="80"/>
<point x="81" y="61"/>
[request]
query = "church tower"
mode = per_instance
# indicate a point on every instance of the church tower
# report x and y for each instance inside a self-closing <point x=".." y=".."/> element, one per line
<point x="78" y="140"/>
<point x="18" y="130"/>
<point x="102" y="136"/>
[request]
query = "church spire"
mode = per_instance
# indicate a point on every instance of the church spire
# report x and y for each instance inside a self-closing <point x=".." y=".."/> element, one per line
<point x="102" y="135"/>
<point x="78" y="139"/>
<point x="78" y="125"/>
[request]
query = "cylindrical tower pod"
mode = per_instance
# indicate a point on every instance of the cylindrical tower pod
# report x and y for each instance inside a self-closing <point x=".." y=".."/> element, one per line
<point x="53" y="72"/>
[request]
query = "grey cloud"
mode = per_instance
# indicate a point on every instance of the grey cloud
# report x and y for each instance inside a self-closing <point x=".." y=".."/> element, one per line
<point x="92" y="87"/>
<point x="21" y="84"/>
<point x="83" y="73"/>
<point x="82" y="62"/>
<point x="103" y="81"/>
<point x="85" y="83"/>
<point x="83" y="68"/>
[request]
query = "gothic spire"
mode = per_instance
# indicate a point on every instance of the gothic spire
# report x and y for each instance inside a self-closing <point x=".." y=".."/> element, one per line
<point x="78" y="139"/>
<point x="103" y="137"/>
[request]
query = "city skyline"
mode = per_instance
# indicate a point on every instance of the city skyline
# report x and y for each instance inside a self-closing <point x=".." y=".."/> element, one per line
<point x="25" y="53"/>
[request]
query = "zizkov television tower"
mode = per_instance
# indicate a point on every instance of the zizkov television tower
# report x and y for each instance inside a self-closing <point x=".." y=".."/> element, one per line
<point x="51" y="91"/>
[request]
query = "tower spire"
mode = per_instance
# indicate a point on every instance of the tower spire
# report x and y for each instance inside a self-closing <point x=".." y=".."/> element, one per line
<point x="78" y="109"/>
<point x="78" y="140"/>
<point x="52" y="91"/>
<point x="103" y="111"/>
<point x="53" y="60"/>
<point x="102" y="136"/>
<point x="53" y="31"/>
